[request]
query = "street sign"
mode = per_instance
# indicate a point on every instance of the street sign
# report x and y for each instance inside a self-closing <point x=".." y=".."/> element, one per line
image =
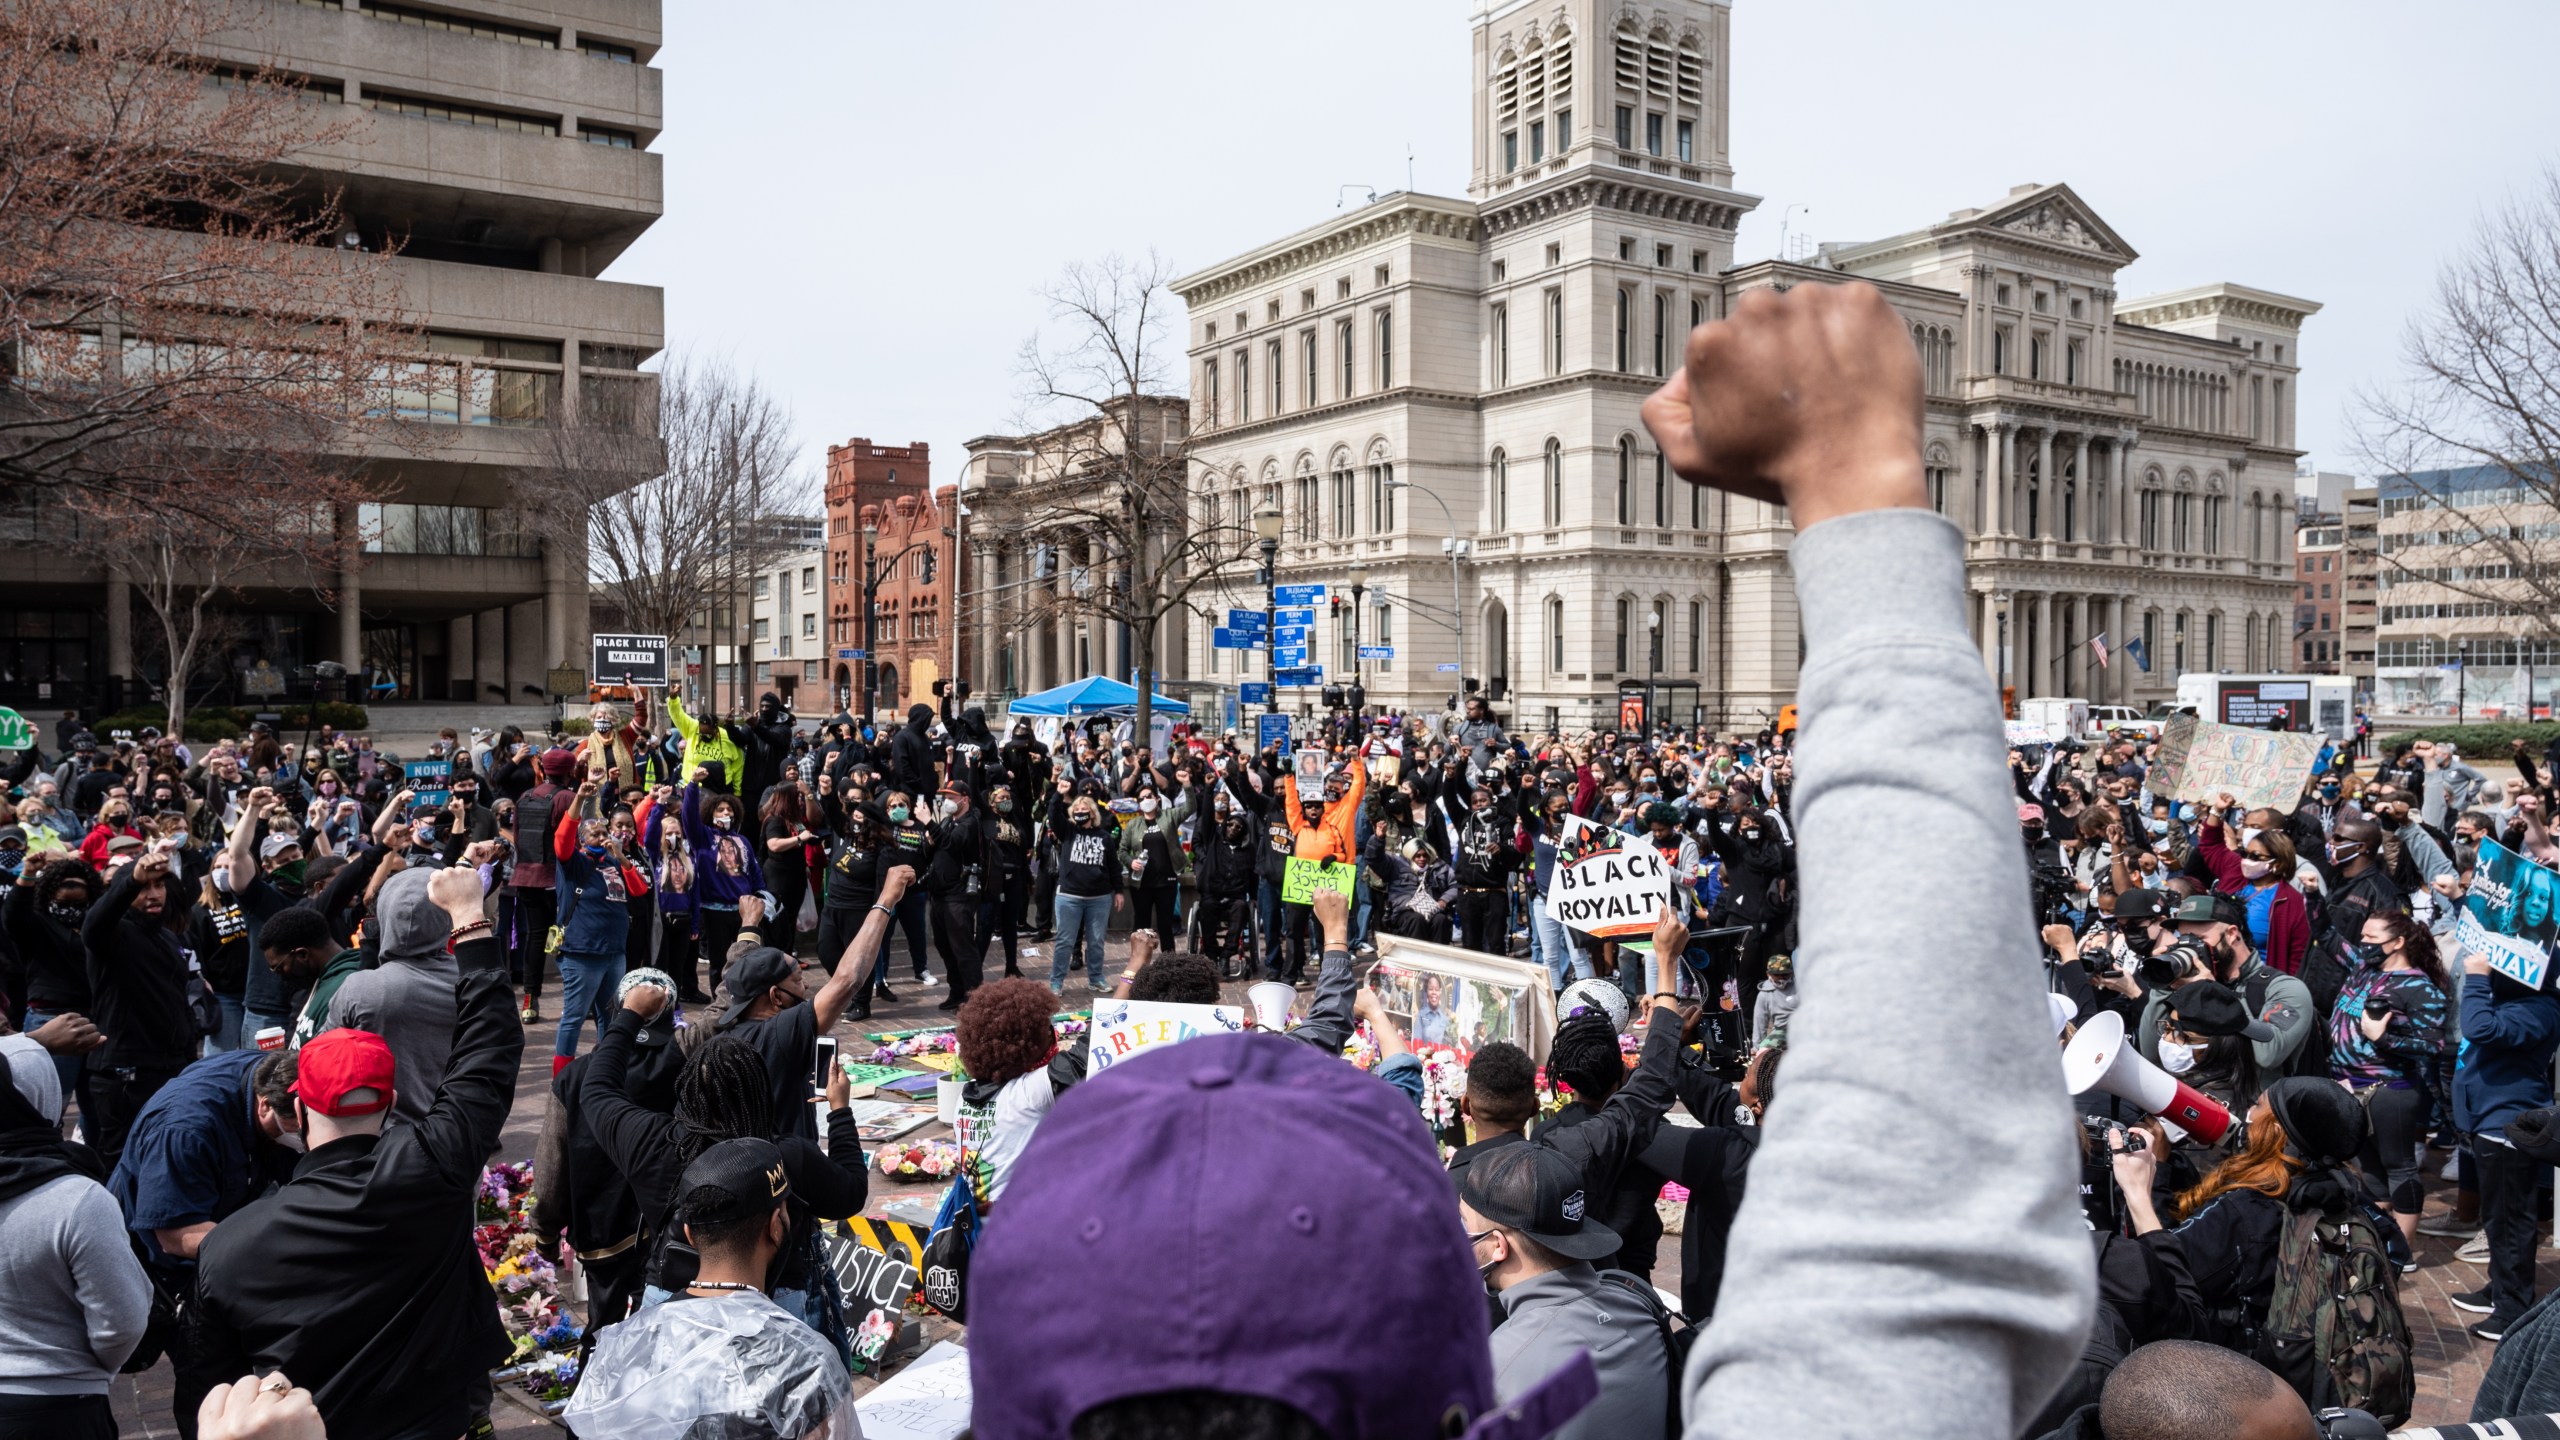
<point x="1289" y="655"/>
<point x="1377" y="652"/>
<point x="1274" y="730"/>
<point x="1299" y="677"/>
<point x="1246" y="619"/>
<point x="851" y="655"/>
<point x="1254" y="692"/>
<point x="1222" y="638"/>
<point x="1297" y="595"/>
<point x="630" y="660"/>
<point x="1285" y="617"/>
<point x="17" y="732"/>
<point x="1447" y="667"/>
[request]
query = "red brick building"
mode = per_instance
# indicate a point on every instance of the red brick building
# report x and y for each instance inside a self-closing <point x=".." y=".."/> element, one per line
<point x="883" y="512"/>
<point x="2319" y="557"/>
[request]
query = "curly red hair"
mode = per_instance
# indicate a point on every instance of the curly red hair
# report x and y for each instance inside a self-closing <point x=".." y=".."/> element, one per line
<point x="1004" y="1030"/>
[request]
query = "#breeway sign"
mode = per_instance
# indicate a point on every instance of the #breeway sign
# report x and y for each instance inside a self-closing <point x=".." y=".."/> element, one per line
<point x="16" y="731"/>
<point x="630" y="660"/>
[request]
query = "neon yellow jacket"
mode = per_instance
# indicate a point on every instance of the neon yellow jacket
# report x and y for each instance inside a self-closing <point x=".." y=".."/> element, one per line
<point x="704" y="743"/>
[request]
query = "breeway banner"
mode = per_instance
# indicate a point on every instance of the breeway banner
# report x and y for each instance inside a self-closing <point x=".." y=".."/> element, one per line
<point x="2511" y="917"/>
<point x="1607" y="884"/>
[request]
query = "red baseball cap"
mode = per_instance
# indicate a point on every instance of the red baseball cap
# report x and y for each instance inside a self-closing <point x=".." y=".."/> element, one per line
<point x="337" y="1063"/>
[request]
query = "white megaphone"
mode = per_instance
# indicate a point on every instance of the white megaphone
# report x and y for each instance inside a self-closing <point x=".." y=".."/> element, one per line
<point x="2100" y="1058"/>
<point x="1270" y="1001"/>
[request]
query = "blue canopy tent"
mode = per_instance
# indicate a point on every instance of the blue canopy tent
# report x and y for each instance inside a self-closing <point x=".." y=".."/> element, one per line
<point x="1093" y="695"/>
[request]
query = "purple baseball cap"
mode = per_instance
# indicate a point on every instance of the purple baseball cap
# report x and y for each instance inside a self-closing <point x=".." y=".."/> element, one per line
<point x="1236" y="1214"/>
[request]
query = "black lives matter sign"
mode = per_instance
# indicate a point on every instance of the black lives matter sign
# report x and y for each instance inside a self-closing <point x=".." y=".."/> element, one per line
<point x="630" y="660"/>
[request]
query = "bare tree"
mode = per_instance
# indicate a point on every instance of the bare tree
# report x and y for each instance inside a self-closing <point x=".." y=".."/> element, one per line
<point x="2482" y="394"/>
<point x="677" y="510"/>
<point x="1115" y="472"/>
<point x="168" y="286"/>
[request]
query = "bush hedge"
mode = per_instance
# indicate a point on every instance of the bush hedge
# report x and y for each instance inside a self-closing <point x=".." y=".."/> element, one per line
<point x="224" y="722"/>
<point x="2492" y="740"/>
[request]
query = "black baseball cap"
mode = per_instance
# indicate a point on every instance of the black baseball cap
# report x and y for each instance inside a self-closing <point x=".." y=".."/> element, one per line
<point x="2138" y="904"/>
<point x="1538" y="1191"/>
<point x="2206" y="909"/>
<point x="752" y="974"/>
<point x="742" y="1179"/>
<point x="2209" y="1007"/>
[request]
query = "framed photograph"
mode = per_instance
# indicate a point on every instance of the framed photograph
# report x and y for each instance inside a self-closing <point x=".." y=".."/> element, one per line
<point x="1462" y="1000"/>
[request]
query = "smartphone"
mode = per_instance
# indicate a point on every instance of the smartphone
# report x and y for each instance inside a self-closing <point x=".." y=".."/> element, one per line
<point x="826" y="1058"/>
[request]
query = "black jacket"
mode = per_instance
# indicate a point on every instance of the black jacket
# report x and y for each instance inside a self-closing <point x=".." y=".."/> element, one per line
<point x="911" y="756"/>
<point x="137" y="984"/>
<point x="359" y="1278"/>
<point x="958" y="844"/>
<point x="57" y="968"/>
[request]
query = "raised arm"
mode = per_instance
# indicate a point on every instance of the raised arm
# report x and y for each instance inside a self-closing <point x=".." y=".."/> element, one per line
<point x="1895" y="1255"/>
<point x="855" y="966"/>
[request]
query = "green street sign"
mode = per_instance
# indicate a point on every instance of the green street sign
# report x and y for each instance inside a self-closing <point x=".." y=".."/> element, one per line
<point x="17" y="732"/>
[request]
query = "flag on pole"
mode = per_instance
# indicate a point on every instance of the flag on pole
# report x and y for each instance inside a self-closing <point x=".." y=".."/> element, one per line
<point x="2141" y="653"/>
<point x="2098" y="643"/>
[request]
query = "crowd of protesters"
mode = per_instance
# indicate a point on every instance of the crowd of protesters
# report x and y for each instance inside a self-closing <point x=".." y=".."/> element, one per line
<point x="282" y="1003"/>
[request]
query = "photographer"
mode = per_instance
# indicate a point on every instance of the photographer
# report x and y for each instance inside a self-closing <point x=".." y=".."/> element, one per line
<point x="2208" y="986"/>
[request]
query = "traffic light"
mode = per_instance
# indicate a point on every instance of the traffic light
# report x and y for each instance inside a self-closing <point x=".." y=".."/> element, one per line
<point x="1333" y="697"/>
<point x="1358" y="697"/>
<point x="929" y="558"/>
<point x="1470" y="684"/>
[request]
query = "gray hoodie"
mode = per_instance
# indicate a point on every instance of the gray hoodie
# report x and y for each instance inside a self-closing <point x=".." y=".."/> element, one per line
<point x="408" y="1001"/>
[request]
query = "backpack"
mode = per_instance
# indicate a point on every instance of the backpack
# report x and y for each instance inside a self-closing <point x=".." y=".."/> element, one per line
<point x="2310" y="1058"/>
<point x="1678" y="1336"/>
<point x="2334" y="1330"/>
<point x="950" y="1242"/>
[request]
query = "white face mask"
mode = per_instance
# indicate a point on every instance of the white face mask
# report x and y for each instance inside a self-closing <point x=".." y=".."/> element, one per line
<point x="2177" y="1059"/>
<point x="946" y="807"/>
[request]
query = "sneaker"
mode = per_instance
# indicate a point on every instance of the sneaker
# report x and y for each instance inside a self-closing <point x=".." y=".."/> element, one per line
<point x="2476" y="1302"/>
<point x="2451" y="1169"/>
<point x="2474" y="1251"/>
<point x="1030" y="952"/>
<point x="2444" y="1224"/>
<point x="529" y="1012"/>
<point x="2492" y="1329"/>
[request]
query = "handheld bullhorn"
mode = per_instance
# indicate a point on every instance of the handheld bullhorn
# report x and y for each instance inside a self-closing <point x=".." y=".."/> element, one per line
<point x="2101" y="1057"/>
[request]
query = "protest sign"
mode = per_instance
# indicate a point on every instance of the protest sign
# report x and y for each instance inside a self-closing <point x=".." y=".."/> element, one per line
<point x="431" y="780"/>
<point x="2027" y="732"/>
<point x="1311" y="764"/>
<point x="1122" y="1028"/>
<point x="16" y="731"/>
<point x="870" y="1279"/>
<point x="928" y="1400"/>
<point x="1605" y="884"/>
<point x="2511" y="917"/>
<point x="630" y="660"/>
<point x="2262" y="769"/>
<point x="1442" y="995"/>
<point x="1300" y="879"/>
<point x="1271" y="732"/>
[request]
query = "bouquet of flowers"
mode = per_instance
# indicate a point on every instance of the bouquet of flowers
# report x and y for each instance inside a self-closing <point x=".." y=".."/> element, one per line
<point x="545" y="1338"/>
<point x="936" y="1042"/>
<point x="922" y="1160"/>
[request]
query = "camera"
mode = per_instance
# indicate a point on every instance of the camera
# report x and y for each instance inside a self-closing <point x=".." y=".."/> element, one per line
<point x="2343" y="1424"/>
<point x="2117" y="1137"/>
<point x="2173" y="964"/>
<point x="2052" y="892"/>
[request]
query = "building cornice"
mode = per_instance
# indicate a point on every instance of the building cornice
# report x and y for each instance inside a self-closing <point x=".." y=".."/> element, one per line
<point x="2221" y="300"/>
<point x="1578" y="190"/>
<point x="1421" y="216"/>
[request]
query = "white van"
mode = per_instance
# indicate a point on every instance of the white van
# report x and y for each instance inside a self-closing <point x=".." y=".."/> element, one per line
<point x="2323" y="703"/>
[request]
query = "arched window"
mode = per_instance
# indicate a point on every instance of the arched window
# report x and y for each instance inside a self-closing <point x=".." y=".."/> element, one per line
<point x="1498" y="490"/>
<point x="1697" y="637"/>
<point x="1555" y="482"/>
<point x="1626" y="481"/>
<point x="1555" y="636"/>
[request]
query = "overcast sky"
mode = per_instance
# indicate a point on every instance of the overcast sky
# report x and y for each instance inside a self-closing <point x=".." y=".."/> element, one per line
<point x="864" y="199"/>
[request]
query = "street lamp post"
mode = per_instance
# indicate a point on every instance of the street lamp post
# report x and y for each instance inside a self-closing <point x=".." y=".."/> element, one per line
<point x="2000" y="603"/>
<point x="1652" y="662"/>
<point x="1266" y="530"/>
<point x="1359" y="588"/>
<point x="2461" y="678"/>
<point x="870" y="621"/>
<point x="1453" y="547"/>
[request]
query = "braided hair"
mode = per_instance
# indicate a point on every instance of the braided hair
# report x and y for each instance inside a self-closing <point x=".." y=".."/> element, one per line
<point x="723" y="1094"/>
<point x="1585" y="1056"/>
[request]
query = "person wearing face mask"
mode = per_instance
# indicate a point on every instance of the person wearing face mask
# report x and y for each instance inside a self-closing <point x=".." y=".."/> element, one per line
<point x="725" y="869"/>
<point x="138" y="981"/>
<point x="1008" y="877"/>
<point x="218" y="934"/>
<point x="1152" y="855"/>
<point x="1225" y="857"/>
<point x="784" y="838"/>
<point x="909" y="842"/>
<point x="597" y="881"/>
<point x="47" y="901"/>
<point x="1759" y="871"/>
<point x="2220" y="988"/>
<point x="2391" y="1041"/>
<point x="1089" y="884"/>
<point x="218" y="1136"/>
<point x="912" y="752"/>
<point x="115" y="819"/>
<point x="2359" y="888"/>
<point x="1549" y="940"/>
<point x="1487" y="851"/>
<point x="955" y="882"/>
<point x="2257" y="866"/>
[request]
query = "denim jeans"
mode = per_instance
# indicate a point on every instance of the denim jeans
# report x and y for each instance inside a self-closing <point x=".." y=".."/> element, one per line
<point x="66" y="1067"/>
<point x="1080" y="921"/>
<point x="586" y="989"/>
<point x="1267" y="908"/>
<point x="228" y="1034"/>
<point x="1555" y="949"/>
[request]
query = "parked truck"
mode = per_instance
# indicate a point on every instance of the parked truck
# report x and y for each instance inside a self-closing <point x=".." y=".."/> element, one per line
<point x="2305" y="703"/>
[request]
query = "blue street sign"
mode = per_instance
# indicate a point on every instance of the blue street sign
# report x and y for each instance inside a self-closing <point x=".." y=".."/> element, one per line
<point x="1294" y="634"/>
<point x="1254" y="692"/>
<point x="1300" y="677"/>
<point x="1289" y="655"/>
<point x="1297" y="595"/>
<point x="849" y="655"/>
<point x="1377" y="652"/>
<point x="1273" y="730"/>
<point x="1222" y="638"/>
<point x="1284" y="617"/>
<point x="1246" y="619"/>
<point x="1447" y="667"/>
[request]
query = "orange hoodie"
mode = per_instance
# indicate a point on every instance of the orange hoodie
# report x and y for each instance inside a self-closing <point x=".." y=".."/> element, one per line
<point x="1327" y="837"/>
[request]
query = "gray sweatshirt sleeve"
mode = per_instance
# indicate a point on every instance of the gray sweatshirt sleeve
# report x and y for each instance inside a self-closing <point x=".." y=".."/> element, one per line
<point x="1912" y="1244"/>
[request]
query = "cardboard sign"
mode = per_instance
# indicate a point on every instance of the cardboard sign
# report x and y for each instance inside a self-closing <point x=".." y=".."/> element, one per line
<point x="2027" y="732"/>
<point x="1300" y="879"/>
<point x="871" y="1279"/>
<point x="1607" y="885"/>
<point x="1123" y="1028"/>
<point x="630" y="660"/>
<point x="1311" y="764"/>
<point x="2262" y="769"/>
<point x="2511" y="917"/>
<point x="431" y="779"/>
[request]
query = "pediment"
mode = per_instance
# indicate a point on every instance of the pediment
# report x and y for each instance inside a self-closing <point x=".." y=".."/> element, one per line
<point x="2053" y="217"/>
